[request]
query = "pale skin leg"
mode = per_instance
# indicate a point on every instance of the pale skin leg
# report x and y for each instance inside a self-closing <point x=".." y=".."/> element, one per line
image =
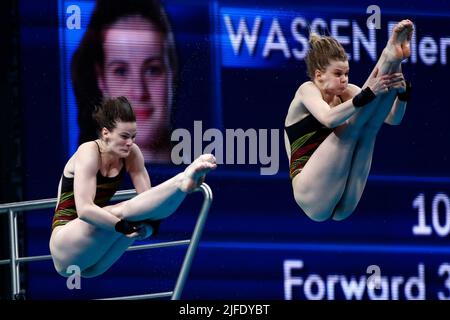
<point x="397" y="48"/>
<point x="80" y="243"/>
<point x="164" y="200"/>
<point x="363" y="153"/>
<point x="115" y="251"/>
<point x="94" y="250"/>
<point x="321" y="185"/>
<point x="362" y="160"/>
<point x="93" y="256"/>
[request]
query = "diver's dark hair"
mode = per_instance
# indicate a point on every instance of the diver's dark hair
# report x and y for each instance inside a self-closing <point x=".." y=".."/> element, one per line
<point x="112" y="110"/>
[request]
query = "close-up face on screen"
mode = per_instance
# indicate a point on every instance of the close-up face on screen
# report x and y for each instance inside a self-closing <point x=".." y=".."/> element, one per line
<point x="226" y="150"/>
<point x="136" y="66"/>
<point x="111" y="53"/>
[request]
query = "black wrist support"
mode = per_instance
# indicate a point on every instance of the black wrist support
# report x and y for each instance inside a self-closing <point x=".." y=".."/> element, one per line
<point x="125" y="227"/>
<point x="153" y="223"/>
<point x="364" y="97"/>
<point x="406" y="95"/>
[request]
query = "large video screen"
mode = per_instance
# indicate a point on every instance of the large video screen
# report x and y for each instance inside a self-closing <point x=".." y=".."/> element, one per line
<point x="222" y="83"/>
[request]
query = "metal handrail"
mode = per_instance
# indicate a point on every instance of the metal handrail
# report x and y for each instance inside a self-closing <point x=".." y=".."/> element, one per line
<point x="194" y="242"/>
<point x="14" y="260"/>
<point x="50" y="203"/>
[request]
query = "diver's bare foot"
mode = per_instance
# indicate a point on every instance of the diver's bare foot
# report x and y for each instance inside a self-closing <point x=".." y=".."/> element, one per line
<point x="398" y="46"/>
<point x="194" y="175"/>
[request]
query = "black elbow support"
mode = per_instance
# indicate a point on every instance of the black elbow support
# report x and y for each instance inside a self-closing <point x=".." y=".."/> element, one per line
<point x="125" y="227"/>
<point x="364" y="97"/>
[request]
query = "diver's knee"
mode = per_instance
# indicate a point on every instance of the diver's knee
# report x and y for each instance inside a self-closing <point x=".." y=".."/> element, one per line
<point x="318" y="215"/>
<point x="341" y="214"/>
<point x="67" y="271"/>
<point x="313" y="209"/>
<point x="91" y="273"/>
<point x="315" y="213"/>
<point x="62" y="269"/>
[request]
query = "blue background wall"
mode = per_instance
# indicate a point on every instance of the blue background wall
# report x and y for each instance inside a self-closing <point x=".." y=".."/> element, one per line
<point x="255" y="226"/>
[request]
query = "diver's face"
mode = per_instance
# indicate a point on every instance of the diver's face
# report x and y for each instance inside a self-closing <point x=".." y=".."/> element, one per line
<point x="121" y="138"/>
<point x="334" y="79"/>
<point x="136" y="66"/>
